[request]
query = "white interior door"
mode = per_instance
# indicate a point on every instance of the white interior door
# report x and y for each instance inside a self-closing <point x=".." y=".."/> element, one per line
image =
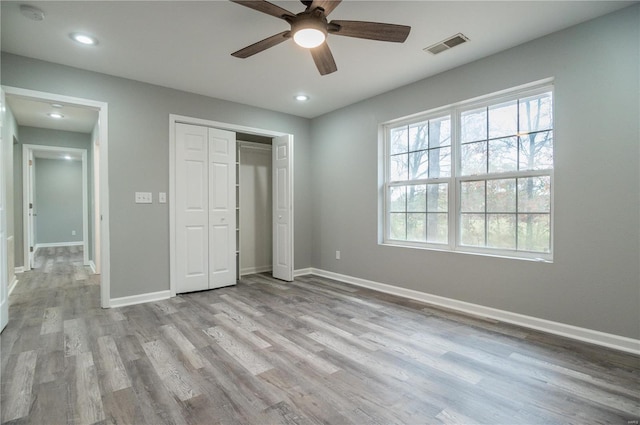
<point x="283" y="207"/>
<point x="205" y="208"/>
<point x="4" y="289"/>
<point x="192" y="204"/>
<point x="222" y="208"/>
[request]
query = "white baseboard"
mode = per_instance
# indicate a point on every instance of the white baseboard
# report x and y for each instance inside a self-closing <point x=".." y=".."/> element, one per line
<point x="13" y="284"/>
<point x="254" y="270"/>
<point x="139" y="299"/>
<point x="303" y="272"/>
<point x="58" y="244"/>
<point x="616" y="342"/>
<point x="93" y="266"/>
<point x="19" y="270"/>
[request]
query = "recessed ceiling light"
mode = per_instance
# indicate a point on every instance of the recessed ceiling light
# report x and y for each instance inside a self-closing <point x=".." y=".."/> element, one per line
<point x="55" y="115"/>
<point x="85" y="39"/>
<point x="301" y="97"/>
<point x="56" y="105"/>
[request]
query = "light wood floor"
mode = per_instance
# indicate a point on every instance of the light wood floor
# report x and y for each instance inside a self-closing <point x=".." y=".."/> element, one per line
<point x="307" y="352"/>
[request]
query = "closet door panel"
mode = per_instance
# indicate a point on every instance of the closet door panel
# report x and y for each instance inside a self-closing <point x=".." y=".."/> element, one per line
<point x="192" y="247"/>
<point x="222" y="208"/>
<point x="283" y="208"/>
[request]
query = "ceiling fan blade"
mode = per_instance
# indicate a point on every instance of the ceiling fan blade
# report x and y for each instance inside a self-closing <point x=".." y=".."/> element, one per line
<point x="265" y="7"/>
<point x="370" y="30"/>
<point x="261" y="45"/>
<point x="324" y="59"/>
<point x="327" y="5"/>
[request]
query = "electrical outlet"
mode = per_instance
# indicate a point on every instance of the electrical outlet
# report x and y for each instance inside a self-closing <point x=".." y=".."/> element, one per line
<point x="73" y="233"/>
<point x="162" y="197"/>
<point x="144" y="198"/>
<point x="337" y="255"/>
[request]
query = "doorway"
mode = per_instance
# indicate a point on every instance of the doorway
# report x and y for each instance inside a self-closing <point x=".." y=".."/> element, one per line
<point x="255" y="216"/>
<point x="282" y="193"/>
<point x="100" y="198"/>
<point x="55" y="185"/>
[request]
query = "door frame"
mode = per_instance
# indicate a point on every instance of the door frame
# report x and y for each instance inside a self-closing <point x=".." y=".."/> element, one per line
<point x="4" y="261"/>
<point x="28" y="193"/>
<point x="173" y="120"/>
<point x="103" y="126"/>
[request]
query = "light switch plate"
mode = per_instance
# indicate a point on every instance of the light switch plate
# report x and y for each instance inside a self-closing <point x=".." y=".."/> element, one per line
<point x="144" y="198"/>
<point x="162" y="197"/>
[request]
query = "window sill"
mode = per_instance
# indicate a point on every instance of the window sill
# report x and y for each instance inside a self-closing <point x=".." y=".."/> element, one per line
<point x="536" y="258"/>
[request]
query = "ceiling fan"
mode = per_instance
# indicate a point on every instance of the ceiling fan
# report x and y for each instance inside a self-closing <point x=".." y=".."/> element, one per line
<point x="310" y="28"/>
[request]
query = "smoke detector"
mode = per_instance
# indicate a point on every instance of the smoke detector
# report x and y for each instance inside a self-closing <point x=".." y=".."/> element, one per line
<point x="447" y="44"/>
<point x="31" y="12"/>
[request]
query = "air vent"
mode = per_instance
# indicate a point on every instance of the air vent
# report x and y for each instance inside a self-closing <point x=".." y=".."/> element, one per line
<point x="447" y="44"/>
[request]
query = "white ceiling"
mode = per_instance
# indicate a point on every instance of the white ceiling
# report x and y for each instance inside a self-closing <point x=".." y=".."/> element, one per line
<point x="60" y="154"/>
<point x="33" y="113"/>
<point x="186" y="45"/>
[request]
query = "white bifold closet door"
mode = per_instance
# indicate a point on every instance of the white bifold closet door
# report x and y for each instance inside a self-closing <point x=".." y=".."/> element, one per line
<point x="282" y="168"/>
<point x="205" y="208"/>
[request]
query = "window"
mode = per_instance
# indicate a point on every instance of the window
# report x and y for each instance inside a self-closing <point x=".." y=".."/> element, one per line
<point x="473" y="177"/>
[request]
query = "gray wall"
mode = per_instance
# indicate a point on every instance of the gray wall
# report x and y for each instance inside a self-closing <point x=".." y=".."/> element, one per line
<point x="58" y="200"/>
<point x="594" y="281"/>
<point x="42" y="137"/>
<point x="139" y="161"/>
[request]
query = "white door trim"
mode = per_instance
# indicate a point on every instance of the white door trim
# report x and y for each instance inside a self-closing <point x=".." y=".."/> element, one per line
<point x="28" y="188"/>
<point x="4" y="262"/>
<point x="103" y="122"/>
<point x="173" y="120"/>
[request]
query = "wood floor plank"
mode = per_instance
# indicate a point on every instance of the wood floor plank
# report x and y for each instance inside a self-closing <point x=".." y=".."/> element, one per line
<point x="241" y="319"/>
<point x="289" y="346"/>
<point x="121" y="407"/>
<point x="88" y="407"/>
<point x="359" y="356"/>
<point x="52" y="321"/>
<point x="240" y="351"/>
<point x="173" y="374"/>
<point x="115" y="373"/>
<point x="242" y="306"/>
<point x="156" y="403"/>
<point x="75" y="338"/>
<point x="51" y="358"/>
<point x="322" y="325"/>
<point x="234" y="387"/>
<point x="185" y="346"/>
<point x="434" y="362"/>
<point x="242" y="332"/>
<point x="19" y="393"/>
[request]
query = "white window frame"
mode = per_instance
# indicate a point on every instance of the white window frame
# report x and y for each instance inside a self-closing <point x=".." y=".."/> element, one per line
<point x="454" y="181"/>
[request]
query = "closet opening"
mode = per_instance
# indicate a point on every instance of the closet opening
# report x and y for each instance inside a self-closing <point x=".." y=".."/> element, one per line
<point x="254" y="204"/>
<point x="231" y="203"/>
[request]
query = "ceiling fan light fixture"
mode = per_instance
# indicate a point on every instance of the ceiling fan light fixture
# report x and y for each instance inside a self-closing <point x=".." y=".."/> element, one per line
<point x="309" y="31"/>
<point x="309" y="37"/>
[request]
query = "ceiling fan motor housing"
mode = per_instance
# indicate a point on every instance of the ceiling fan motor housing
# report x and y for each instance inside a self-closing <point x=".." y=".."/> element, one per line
<point x="314" y="19"/>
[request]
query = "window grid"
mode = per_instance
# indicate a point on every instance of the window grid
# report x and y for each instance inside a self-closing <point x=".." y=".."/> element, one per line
<point x="430" y="219"/>
<point x="519" y="170"/>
